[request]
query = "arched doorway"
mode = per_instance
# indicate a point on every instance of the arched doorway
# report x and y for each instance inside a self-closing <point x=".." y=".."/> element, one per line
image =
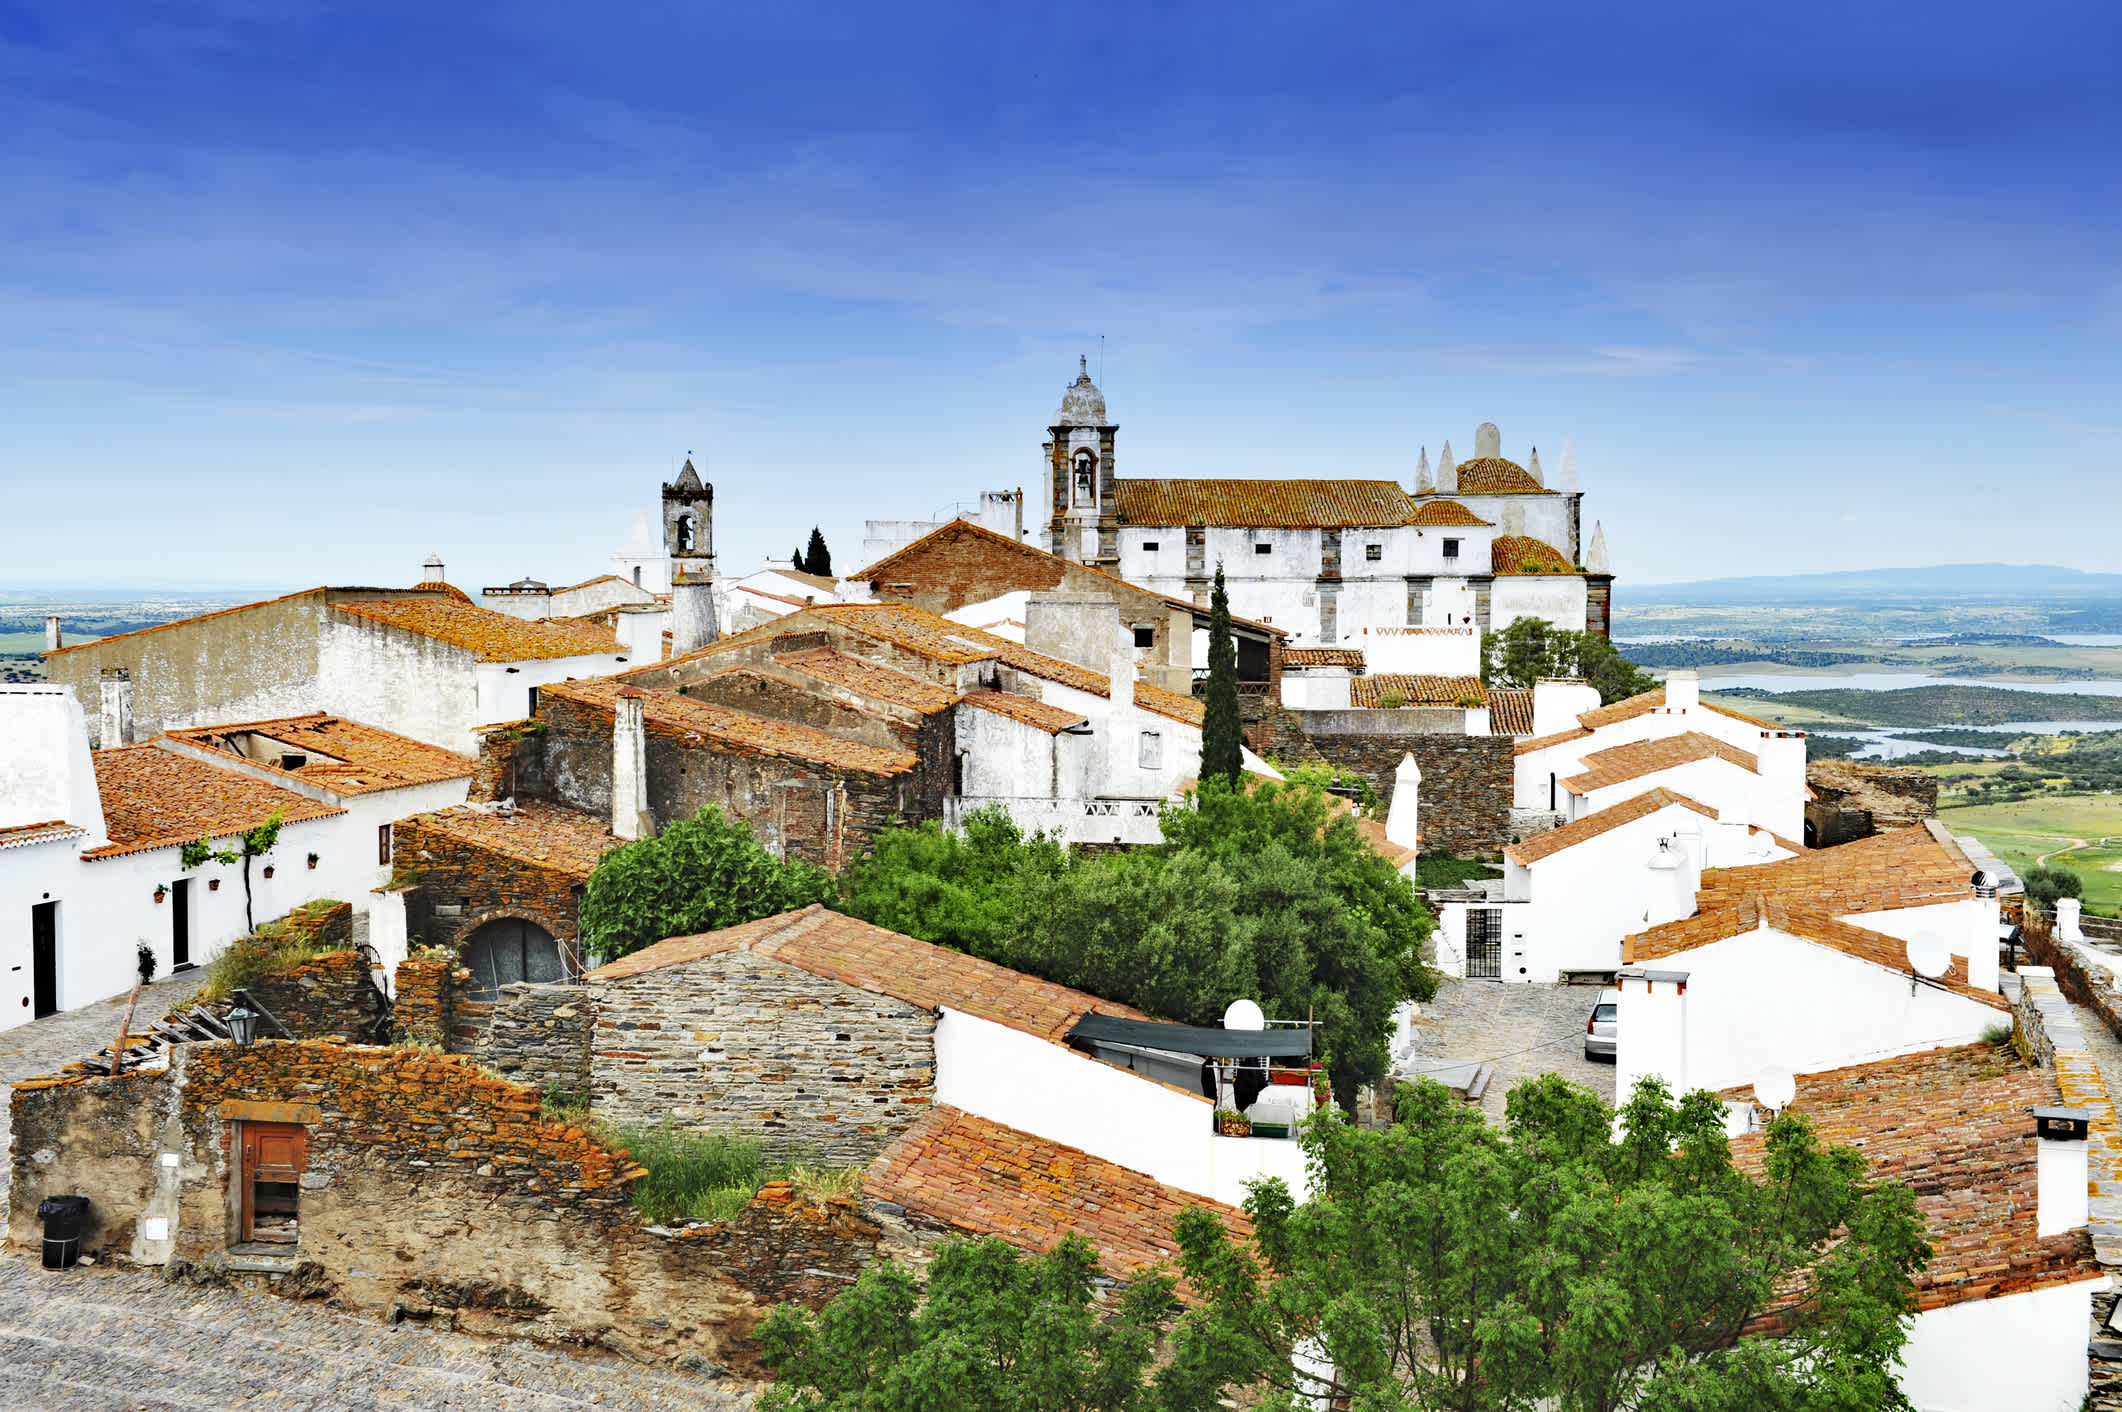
<point x="510" y="949"/>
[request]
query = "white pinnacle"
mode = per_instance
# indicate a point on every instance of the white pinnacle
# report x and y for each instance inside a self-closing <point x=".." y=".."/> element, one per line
<point x="1566" y="473"/>
<point x="1595" y="560"/>
<point x="1532" y="468"/>
<point x="1423" y="484"/>
<point x="1447" y="472"/>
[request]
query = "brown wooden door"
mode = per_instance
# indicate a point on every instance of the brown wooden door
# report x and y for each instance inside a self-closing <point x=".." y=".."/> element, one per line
<point x="274" y="1158"/>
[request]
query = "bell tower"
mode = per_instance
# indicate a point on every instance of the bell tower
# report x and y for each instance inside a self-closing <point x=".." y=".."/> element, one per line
<point x="1083" y="523"/>
<point x="689" y="539"/>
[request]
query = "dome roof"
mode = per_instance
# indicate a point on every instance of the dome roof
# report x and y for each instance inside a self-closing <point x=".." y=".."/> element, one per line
<point x="1082" y="405"/>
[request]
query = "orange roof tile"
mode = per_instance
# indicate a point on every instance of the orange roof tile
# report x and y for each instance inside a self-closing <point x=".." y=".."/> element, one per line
<point x="850" y="950"/>
<point x="1416" y="690"/>
<point x="155" y="798"/>
<point x="870" y="679"/>
<point x="666" y="712"/>
<point x="1051" y="719"/>
<point x="1735" y="915"/>
<point x="50" y="831"/>
<point x="989" y="1180"/>
<point x="344" y="756"/>
<point x="1522" y="554"/>
<point x="1542" y="742"/>
<point x="1621" y="763"/>
<point x="939" y="638"/>
<point x="1264" y="504"/>
<point x="1373" y="831"/>
<point x="491" y="636"/>
<point x="1901" y="868"/>
<point x="1494" y="475"/>
<point x="1569" y="835"/>
<point x="1953" y="1126"/>
<point x="1163" y="702"/>
<point x="438" y="586"/>
<point x="1446" y="513"/>
<point x="1298" y="658"/>
<point x="1510" y="710"/>
<point x="1654" y="700"/>
<point x="535" y="831"/>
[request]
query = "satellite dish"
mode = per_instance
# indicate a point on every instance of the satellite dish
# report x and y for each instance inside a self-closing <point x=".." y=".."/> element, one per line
<point x="1930" y="955"/>
<point x="1244" y="1015"/>
<point x="1775" y="1088"/>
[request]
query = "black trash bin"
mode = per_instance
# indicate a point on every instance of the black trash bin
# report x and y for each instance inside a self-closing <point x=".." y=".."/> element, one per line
<point x="62" y="1217"/>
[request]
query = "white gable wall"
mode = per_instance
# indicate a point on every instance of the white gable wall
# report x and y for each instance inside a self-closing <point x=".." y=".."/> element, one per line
<point x="2016" y="1353"/>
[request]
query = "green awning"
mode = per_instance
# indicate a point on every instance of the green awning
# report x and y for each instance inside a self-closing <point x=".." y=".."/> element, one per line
<point x="1195" y="1039"/>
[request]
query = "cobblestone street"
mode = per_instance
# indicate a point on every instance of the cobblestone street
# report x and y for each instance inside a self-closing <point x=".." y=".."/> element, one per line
<point x="105" y="1340"/>
<point x="1519" y="1031"/>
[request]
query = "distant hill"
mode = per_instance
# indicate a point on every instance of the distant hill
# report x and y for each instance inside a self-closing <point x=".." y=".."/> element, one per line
<point x="1937" y="583"/>
<point x="1947" y="705"/>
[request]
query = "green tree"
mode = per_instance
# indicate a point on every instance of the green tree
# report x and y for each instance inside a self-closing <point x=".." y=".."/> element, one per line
<point x="1442" y="1263"/>
<point x="1533" y="648"/>
<point x="795" y="560"/>
<point x="251" y="843"/>
<point x="1222" y="732"/>
<point x="817" y="559"/>
<point x="991" y="1332"/>
<point x="956" y="888"/>
<point x="698" y="875"/>
<point x="2044" y="885"/>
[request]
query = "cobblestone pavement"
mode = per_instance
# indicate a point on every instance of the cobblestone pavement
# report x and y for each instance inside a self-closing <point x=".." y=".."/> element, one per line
<point x="109" y="1340"/>
<point x="2106" y="1049"/>
<point x="1519" y="1031"/>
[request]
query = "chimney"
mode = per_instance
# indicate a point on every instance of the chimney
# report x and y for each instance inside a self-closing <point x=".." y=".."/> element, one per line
<point x="630" y="818"/>
<point x="1596" y="560"/>
<point x="117" y="719"/>
<point x="2068" y="911"/>
<point x="1669" y="893"/>
<point x="1683" y="689"/>
<point x="1407" y="793"/>
<point x="1651" y="1030"/>
<point x="1488" y="440"/>
<point x="431" y="571"/>
<point x="52" y="638"/>
<point x="2063" y="1199"/>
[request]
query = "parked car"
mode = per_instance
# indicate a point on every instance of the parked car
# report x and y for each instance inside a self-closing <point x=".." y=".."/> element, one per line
<point x="1599" y="1029"/>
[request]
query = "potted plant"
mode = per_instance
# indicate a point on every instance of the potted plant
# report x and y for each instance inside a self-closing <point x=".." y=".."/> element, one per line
<point x="1232" y="1123"/>
<point x="1291" y="1078"/>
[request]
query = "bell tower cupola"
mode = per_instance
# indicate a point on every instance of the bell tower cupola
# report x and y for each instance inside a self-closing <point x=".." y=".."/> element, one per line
<point x="689" y="539"/>
<point x="1083" y="522"/>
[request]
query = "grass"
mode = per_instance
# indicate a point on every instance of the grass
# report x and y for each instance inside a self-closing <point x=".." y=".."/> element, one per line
<point x="2082" y="832"/>
<point x="267" y="951"/>
<point x="1444" y="870"/>
<point x="704" y="1176"/>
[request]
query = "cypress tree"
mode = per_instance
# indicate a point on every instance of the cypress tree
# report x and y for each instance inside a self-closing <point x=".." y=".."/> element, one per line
<point x="796" y="561"/>
<point x="1222" y="733"/>
<point x="820" y="559"/>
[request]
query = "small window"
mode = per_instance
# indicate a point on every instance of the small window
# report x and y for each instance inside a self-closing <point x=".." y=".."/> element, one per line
<point x="532" y="708"/>
<point x="383" y="843"/>
<point x="1149" y="546"/>
<point x="1152" y="754"/>
<point x="637" y="576"/>
<point x="1451" y="548"/>
<point x="1374" y="552"/>
<point x="1145" y="637"/>
<point x="1263" y="549"/>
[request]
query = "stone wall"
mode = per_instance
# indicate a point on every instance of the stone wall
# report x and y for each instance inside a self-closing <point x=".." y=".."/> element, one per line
<point x="743" y="1042"/>
<point x="1855" y="799"/>
<point x="321" y="923"/>
<point x="1273" y="732"/>
<point x="535" y="1035"/>
<point x="426" y="990"/>
<point x="447" y="871"/>
<point x="333" y="996"/>
<point x="494" y="777"/>
<point x="1466" y="782"/>
<point x="429" y="1189"/>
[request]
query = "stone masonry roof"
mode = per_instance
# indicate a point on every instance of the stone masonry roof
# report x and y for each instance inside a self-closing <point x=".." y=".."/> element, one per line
<point x="1447" y="514"/>
<point x="345" y="757"/>
<point x="1904" y="868"/>
<point x="1264" y="504"/>
<point x="985" y="1179"/>
<point x="1416" y="690"/>
<point x="868" y="678"/>
<point x="1621" y="763"/>
<point x="156" y="798"/>
<point x="1953" y="1126"/>
<point x="1591" y="826"/>
<point x="1162" y="702"/>
<point x="491" y="636"/>
<point x="667" y="713"/>
<point x="535" y="831"/>
<point x="1737" y="915"/>
<point x="1051" y="719"/>
<point x="1510" y="710"/>
<point x="853" y="952"/>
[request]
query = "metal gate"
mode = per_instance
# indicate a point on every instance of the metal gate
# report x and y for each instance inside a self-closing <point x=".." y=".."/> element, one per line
<point x="1484" y="943"/>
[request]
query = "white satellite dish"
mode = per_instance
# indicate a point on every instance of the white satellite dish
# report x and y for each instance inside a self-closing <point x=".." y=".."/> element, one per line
<point x="1775" y="1088"/>
<point x="1930" y="955"/>
<point x="1243" y="1015"/>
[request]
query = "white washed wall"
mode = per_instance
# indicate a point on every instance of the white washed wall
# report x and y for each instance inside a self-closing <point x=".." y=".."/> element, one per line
<point x="2018" y="1353"/>
<point x="1558" y="598"/>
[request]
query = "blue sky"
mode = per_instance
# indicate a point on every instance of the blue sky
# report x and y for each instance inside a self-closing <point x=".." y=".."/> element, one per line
<point x="295" y="292"/>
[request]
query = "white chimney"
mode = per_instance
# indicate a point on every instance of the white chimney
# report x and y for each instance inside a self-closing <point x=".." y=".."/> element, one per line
<point x="1668" y="890"/>
<point x="629" y="766"/>
<point x="1407" y="792"/>
<point x="1488" y="440"/>
<point x="1650" y="1026"/>
<point x="1683" y="689"/>
<point x="53" y="641"/>
<point x="116" y="725"/>
<point x="2063" y="1200"/>
<point x="1557" y="702"/>
<point x="431" y="571"/>
<point x="2068" y="911"/>
<point x="1447" y="471"/>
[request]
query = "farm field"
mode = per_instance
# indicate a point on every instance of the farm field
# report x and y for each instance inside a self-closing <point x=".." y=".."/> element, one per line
<point x="2082" y="832"/>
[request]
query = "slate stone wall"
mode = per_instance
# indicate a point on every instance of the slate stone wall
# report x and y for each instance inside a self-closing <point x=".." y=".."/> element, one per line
<point x="1466" y="783"/>
<point x="451" y="872"/>
<point x="333" y="996"/>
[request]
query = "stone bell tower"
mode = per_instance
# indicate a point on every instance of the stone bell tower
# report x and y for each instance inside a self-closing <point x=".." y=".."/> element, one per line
<point x="1083" y="523"/>
<point x="689" y="539"/>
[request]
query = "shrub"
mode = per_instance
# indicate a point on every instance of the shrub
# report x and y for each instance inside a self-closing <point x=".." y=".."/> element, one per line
<point x="249" y="960"/>
<point x="698" y="875"/>
<point x="712" y="1176"/>
<point x="1999" y="1034"/>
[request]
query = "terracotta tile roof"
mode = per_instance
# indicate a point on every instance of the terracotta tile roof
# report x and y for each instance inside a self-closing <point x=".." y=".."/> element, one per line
<point x="1416" y="690"/>
<point x="344" y="756"/>
<point x="851" y="951"/>
<point x="942" y="640"/>
<point x="1510" y="710"/>
<point x="1298" y="658"/>
<point x="1620" y="763"/>
<point x="1522" y="554"/>
<point x="666" y="712"/>
<point x="989" y="1180"/>
<point x="154" y="798"/>
<point x="1902" y="868"/>
<point x="870" y="679"/>
<point x="771" y="597"/>
<point x="1051" y="719"/>
<point x="50" y="831"/>
<point x="1373" y="831"/>
<point x="1654" y="700"/>
<point x="491" y="636"/>
<point x="535" y="831"/>
<point x="1446" y="513"/>
<point x="1264" y="504"/>
<point x="1576" y="831"/>
<point x="438" y="586"/>
<point x="824" y="583"/>
<point x="1493" y="475"/>
<point x="1953" y="1126"/>
<point x="1172" y="704"/>
<point x="601" y="578"/>
<point x="181" y="622"/>
<point x="1734" y="915"/>
<point x="1542" y="742"/>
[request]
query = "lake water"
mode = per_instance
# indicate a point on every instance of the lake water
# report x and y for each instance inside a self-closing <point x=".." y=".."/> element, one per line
<point x="1891" y="681"/>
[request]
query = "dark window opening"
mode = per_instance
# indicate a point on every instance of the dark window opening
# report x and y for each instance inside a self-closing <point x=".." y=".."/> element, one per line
<point x="44" y="958"/>
<point x="1374" y="552"/>
<point x="1149" y="546"/>
<point x="383" y="843"/>
<point x="508" y="950"/>
<point x="1451" y="548"/>
<point x="1145" y="637"/>
<point x="1263" y="549"/>
<point x="637" y="576"/>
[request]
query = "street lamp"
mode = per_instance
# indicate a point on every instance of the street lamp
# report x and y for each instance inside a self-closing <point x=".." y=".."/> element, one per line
<point x="242" y="1026"/>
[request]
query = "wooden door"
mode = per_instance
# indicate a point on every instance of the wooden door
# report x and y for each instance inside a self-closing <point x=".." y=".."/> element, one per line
<point x="44" y="958"/>
<point x="274" y="1158"/>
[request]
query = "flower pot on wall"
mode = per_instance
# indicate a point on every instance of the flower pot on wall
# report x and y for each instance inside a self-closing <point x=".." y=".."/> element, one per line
<point x="268" y="870"/>
<point x="313" y="862"/>
<point x="160" y="892"/>
<point x="213" y="884"/>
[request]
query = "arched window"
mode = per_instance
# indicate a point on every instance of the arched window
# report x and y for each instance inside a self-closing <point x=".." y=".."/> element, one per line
<point x="685" y="533"/>
<point x="507" y="950"/>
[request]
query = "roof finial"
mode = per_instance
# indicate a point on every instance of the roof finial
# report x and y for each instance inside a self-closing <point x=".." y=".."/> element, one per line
<point x="1083" y="365"/>
<point x="1423" y="484"/>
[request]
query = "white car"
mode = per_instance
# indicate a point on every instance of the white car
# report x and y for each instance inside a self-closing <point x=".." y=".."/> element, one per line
<point x="1599" y="1029"/>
